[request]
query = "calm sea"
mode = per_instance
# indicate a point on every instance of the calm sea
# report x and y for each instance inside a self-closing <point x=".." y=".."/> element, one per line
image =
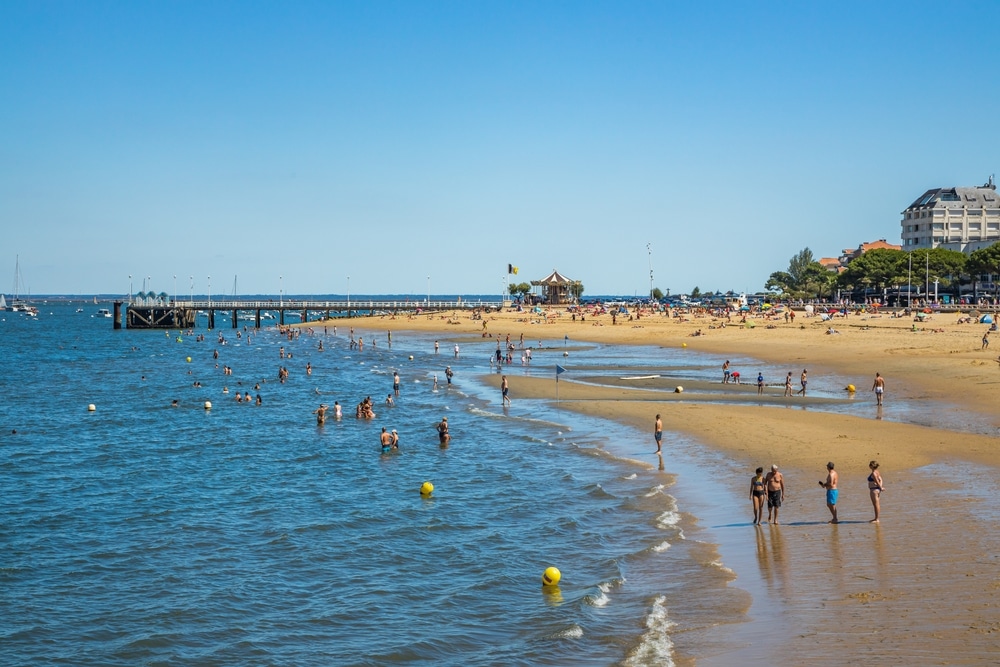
<point x="141" y="533"/>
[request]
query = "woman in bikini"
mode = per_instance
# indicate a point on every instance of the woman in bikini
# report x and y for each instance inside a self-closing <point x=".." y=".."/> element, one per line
<point x="757" y="494"/>
<point x="875" y="488"/>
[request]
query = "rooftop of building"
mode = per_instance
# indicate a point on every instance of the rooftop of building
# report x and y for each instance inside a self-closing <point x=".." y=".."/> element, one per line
<point x="983" y="196"/>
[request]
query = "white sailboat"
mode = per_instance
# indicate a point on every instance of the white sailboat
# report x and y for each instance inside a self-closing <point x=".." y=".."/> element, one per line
<point x="17" y="304"/>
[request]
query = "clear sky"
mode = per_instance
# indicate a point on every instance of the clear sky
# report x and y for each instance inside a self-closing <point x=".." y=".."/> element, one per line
<point x="296" y="144"/>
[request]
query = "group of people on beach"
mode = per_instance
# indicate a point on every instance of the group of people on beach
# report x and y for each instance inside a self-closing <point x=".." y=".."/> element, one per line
<point x="770" y="489"/>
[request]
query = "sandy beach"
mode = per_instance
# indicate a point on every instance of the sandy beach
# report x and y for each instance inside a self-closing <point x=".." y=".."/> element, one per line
<point x="921" y="584"/>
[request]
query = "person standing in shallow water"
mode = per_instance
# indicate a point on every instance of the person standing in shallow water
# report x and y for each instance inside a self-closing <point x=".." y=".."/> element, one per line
<point x="830" y="484"/>
<point x="658" y="432"/>
<point x="879" y="388"/>
<point x="757" y="494"/>
<point x="875" y="489"/>
<point x="775" y="487"/>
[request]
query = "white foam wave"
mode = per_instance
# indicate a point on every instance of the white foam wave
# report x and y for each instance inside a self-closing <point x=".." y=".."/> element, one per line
<point x="572" y="632"/>
<point x="632" y="476"/>
<point x="655" y="647"/>
<point x="668" y="519"/>
<point x="598" y="600"/>
<point x="655" y="490"/>
<point x="661" y="547"/>
<point x="718" y="564"/>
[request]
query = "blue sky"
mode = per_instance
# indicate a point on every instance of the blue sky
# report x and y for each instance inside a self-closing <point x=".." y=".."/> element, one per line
<point x="296" y="144"/>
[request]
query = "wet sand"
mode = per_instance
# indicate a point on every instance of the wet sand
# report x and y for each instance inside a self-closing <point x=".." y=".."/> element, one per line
<point x="919" y="587"/>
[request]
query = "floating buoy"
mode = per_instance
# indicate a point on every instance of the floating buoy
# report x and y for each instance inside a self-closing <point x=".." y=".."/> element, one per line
<point x="684" y="344"/>
<point x="678" y="389"/>
<point x="426" y="489"/>
<point x="565" y="354"/>
<point x="208" y="405"/>
<point x="91" y="407"/>
<point x="180" y="340"/>
<point x="851" y="388"/>
<point x="411" y="357"/>
<point x="551" y="576"/>
<point x="189" y="360"/>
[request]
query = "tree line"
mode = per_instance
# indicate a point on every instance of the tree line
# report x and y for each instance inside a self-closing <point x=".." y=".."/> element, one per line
<point x="883" y="268"/>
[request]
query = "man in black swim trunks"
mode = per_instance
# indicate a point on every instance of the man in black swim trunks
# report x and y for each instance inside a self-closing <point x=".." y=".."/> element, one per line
<point x="775" y="484"/>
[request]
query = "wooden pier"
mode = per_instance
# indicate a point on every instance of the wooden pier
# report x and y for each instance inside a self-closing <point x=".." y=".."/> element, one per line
<point x="184" y="314"/>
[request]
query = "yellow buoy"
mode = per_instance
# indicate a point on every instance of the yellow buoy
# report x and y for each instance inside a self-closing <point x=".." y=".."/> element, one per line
<point x="189" y="360"/>
<point x="91" y="407"/>
<point x="851" y="388"/>
<point x="208" y="405"/>
<point x="551" y="576"/>
<point x="684" y="344"/>
<point x="678" y="389"/>
<point x="426" y="489"/>
<point x="180" y="340"/>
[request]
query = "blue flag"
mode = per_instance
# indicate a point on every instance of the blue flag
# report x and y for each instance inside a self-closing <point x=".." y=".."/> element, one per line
<point x="559" y="369"/>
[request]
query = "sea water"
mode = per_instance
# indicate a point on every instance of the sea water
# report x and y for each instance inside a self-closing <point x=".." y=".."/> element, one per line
<point x="141" y="533"/>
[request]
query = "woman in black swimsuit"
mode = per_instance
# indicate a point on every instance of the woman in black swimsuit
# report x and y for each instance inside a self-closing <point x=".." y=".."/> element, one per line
<point x="875" y="488"/>
<point x="757" y="494"/>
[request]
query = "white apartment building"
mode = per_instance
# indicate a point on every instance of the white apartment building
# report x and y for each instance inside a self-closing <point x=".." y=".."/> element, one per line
<point x="964" y="219"/>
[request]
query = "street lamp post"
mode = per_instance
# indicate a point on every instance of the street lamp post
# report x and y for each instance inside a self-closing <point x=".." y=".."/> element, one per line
<point x="348" y="296"/>
<point x="428" y="291"/>
<point x="175" y="289"/>
<point x="649" y="249"/>
<point x="210" y="291"/>
<point x="281" y="293"/>
<point x="192" y="289"/>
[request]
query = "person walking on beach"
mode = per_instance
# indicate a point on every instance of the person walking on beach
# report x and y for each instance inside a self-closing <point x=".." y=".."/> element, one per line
<point x="774" y="484"/>
<point x="879" y="388"/>
<point x="658" y="432"/>
<point x="986" y="340"/>
<point x="725" y="372"/>
<point x="505" y="390"/>
<point x="757" y="494"/>
<point x="830" y="484"/>
<point x="803" y="380"/>
<point x="788" y="384"/>
<point x="875" y="489"/>
<point x="760" y="384"/>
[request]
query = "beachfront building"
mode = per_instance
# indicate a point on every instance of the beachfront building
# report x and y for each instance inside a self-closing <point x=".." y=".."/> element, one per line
<point x="556" y="288"/>
<point x="964" y="219"/>
<point x="838" y="264"/>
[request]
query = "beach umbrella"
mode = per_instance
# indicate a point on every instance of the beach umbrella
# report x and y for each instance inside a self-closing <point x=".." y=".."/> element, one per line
<point x="824" y="317"/>
<point x="987" y="319"/>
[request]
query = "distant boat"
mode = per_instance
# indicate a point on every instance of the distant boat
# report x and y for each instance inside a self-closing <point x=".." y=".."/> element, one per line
<point x="95" y="300"/>
<point x="103" y="312"/>
<point x="17" y="304"/>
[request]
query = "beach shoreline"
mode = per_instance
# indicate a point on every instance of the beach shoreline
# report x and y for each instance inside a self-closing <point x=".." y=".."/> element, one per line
<point x="789" y="568"/>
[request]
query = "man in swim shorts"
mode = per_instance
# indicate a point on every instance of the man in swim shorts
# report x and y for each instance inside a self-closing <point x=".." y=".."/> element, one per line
<point x="775" y="485"/>
<point x="443" y="434"/>
<point x="386" y="440"/>
<point x="879" y="388"/>
<point x="658" y="432"/>
<point x="830" y="484"/>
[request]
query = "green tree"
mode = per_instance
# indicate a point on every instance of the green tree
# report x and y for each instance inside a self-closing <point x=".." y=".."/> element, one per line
<point x="657" y="294"/>
<point x="876" y="268"/>
<point x="576" y="289"/>
<point x="805" y="277"/>
<point x="519" y="288"/>
<point x="695" y="293"/>
<point x="984" y="260"/>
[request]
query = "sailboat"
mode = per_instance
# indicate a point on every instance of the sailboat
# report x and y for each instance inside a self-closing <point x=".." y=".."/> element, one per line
<point x="17" y="304"/>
